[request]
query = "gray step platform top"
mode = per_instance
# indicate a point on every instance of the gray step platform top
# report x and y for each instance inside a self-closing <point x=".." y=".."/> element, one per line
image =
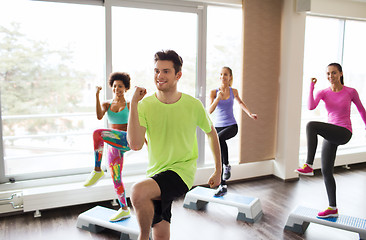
<point x="309" y="214"/>
<point x="231" y="199"/>
<point x="100" y="216"/>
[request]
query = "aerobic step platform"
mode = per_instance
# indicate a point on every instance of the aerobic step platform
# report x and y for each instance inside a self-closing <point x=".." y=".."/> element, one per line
<point x="299" y="220"/>
<point x="249" y="208"/>
<point x="97" y="219"/>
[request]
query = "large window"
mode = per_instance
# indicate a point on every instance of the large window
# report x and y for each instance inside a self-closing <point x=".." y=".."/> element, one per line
<point x="53" y="54"/>
<point x="330" y="40"/>
<point x="354" y="63"/>
<point x="138" y="34"/>
<point x="224" y="48"/>
<point x="50" y="61"/>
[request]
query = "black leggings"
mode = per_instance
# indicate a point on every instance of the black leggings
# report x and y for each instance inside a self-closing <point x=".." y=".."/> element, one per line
<point x="333" y="137"/>
<point x="224" y="134"/>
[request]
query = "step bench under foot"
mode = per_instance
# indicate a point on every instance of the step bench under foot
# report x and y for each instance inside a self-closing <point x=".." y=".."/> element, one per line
<point x="97" y="219"/>
<point x="300" y="218"/>
<point x="249" y="208"/>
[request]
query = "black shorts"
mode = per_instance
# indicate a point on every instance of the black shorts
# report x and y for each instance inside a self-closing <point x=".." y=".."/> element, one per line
<point x="171" y="188"/>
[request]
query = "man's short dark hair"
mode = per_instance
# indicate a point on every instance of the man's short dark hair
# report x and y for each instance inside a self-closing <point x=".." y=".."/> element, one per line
<point x="170" y="55"/>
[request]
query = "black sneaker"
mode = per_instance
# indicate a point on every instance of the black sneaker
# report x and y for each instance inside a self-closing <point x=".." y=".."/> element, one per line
<point x="227" y="173"/>
<point x="221" y="191"/>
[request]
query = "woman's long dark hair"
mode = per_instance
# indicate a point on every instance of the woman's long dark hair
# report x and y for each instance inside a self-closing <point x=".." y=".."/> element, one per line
<point x="339" y="67"/>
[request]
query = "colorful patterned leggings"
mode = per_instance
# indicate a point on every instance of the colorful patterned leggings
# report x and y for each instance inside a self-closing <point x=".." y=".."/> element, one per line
<point x="118" y="145"/>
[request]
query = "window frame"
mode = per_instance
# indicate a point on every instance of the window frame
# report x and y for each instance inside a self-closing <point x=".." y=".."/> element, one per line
<point x="42" y="175"/>
<point x="352" y="152"/>
<point x="199" y="8"/>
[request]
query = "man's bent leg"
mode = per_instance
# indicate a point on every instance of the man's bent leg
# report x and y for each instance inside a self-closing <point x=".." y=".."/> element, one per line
<point x="141" y="197"/>
<point x="161" y="230"/>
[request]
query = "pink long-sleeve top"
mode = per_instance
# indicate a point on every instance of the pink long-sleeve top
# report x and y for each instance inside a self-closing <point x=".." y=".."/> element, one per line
<point x="338" y="105"/>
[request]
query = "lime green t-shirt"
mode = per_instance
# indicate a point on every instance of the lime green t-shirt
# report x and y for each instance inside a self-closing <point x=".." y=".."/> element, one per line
<point x="171" y="134"/>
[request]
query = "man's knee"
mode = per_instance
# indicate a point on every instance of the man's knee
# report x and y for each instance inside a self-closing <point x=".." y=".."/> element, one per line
<point x="144" y="191"/>
<point x="136" y="194"/>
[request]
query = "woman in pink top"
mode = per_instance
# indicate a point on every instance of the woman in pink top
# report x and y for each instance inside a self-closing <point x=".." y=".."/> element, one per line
<point x="337" y="131"/>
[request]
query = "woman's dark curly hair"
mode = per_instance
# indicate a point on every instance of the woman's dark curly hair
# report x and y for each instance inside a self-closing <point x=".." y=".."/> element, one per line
<point x="124" y="77"/>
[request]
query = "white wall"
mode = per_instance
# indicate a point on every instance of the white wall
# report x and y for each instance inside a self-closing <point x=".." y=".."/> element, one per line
<point x="355" y="9"/>
<point x="291" y="67"/>
<point x="291" y="73"/>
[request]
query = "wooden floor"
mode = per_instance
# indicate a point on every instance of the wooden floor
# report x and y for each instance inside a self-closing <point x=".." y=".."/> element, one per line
<point x="218" y="222"/>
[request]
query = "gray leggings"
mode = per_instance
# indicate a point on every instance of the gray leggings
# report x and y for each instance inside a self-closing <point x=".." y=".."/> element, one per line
<point x="333" y="137"/>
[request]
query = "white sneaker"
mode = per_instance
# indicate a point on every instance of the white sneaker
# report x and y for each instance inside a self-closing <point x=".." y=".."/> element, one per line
<point x="227" y="173"/>
<point x="221" y="191"/>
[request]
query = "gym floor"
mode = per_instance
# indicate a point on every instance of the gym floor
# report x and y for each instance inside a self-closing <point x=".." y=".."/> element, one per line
<point x="217" y="222"/>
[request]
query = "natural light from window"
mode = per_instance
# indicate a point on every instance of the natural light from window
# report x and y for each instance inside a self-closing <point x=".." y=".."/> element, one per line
<point x="330" y="40"/>
<point x="224" y="48"/>
<point x="49" y="67"/>
<point x="51" y="59"/>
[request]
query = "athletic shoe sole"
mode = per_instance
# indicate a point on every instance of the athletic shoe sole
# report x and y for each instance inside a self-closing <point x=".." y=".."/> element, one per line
<point x="306" y="174"/>
<point x="121" y="218"/>
<point x="328" y="216"/>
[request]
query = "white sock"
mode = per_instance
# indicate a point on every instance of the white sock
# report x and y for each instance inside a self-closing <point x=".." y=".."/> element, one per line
<point x="309" y="165"/>
<point x="333" y="208"/>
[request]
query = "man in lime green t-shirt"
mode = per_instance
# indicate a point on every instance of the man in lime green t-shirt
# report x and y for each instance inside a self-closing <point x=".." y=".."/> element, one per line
<point x="169" y="119"/>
